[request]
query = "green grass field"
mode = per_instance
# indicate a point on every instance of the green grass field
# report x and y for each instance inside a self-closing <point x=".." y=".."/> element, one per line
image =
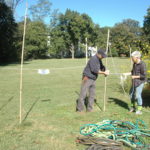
<point x="49" y="118"/>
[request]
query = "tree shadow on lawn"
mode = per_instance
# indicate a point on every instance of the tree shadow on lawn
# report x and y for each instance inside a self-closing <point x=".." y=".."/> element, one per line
<point x="119" y="102"/>
<point x="33" y="105"/>
<point x="13" y="64"/>
<point x="5" y="104"/>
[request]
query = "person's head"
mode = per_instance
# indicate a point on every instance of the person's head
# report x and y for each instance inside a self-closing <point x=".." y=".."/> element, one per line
<point x="136" y="56"/>
<point x="101" y="54"/>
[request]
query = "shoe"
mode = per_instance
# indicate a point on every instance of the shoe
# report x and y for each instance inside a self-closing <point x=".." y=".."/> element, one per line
<point x="89" y="110"/>
<point x="139" y="112"/>
<point x="132" y="109"/>
<point x="80" y="112"/>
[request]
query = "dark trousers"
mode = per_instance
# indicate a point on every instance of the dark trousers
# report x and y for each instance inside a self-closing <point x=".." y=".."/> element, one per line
<point x="88" y="85"/>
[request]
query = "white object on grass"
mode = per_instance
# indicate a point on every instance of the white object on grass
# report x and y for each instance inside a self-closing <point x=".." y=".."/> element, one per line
<point x="43" y="71"/>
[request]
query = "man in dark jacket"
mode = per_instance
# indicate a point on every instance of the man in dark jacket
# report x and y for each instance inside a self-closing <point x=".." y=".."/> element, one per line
<point x="138" y="75"/>
<point x="90" y="74"/>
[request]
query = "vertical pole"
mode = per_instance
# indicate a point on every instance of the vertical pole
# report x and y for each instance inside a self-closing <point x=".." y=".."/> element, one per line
<point x="105" y="85"/>
<point x="22" y="58"/>
<point x="130" y="56"/>
<point x="86" y="49"/>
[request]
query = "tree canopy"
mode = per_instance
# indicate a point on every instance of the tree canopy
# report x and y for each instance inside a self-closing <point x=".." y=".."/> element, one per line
<point x="65" y="34"/>
<point x="7" y="31"/>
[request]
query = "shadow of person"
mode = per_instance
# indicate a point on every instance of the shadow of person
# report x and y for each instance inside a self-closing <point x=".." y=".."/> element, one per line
<point x="119" y="102"/>
<point x="146" y="99"/>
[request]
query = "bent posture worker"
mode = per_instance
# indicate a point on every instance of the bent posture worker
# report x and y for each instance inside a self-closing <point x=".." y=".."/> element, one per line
<point x="90" y="74"/>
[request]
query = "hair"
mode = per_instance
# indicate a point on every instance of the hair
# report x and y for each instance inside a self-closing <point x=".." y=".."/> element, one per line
<point x="136" y="54"/>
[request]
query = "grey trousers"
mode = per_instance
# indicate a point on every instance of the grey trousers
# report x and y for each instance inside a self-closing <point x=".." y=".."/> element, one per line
<point x="87" y="86"/>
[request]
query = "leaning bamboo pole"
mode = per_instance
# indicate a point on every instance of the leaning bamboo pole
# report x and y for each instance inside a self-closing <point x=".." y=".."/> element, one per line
<point x="86" y="51"/>
<point x="21" y="66"/>
<point x="105" y="84"/>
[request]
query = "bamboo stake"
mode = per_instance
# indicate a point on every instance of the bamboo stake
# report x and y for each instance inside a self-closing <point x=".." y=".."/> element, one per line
<point x="105" y="84"/>
<point x="130" y="56"/>
<point x="22" y="59"/>
<point x="86" y="54"/>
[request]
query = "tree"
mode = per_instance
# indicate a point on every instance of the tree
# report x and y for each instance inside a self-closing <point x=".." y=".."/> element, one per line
<point x="41" y="10"/>
<point x="12" y="3"/>
<point x="124" y="35"/>
<point x="7" y="30"/>
<point x="36" y="40"/>
<point x="146" y="25"/>
<point x="75" y="28"/>
<point x="57" y="47"/>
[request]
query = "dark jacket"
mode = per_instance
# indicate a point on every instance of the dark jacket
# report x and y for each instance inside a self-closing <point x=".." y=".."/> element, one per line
<point x="92" y="68"/>
<point x="139" y="70"/>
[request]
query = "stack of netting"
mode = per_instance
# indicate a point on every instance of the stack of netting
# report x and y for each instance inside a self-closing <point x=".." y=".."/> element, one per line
<point x="131" y="134"/>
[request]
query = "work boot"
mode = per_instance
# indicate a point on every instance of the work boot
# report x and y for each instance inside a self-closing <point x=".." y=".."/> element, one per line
<point x="139" y="110"/>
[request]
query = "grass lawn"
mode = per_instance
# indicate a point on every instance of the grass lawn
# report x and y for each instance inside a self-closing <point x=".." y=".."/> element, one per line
<point x="49" y="118"/>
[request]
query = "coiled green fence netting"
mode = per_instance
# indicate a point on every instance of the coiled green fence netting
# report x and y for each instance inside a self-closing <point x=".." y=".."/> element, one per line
<point x="131" y="134"/>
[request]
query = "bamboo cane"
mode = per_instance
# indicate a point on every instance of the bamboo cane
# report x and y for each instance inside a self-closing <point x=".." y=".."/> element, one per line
<point x="105" y="84"/>
<point x="22" y="59"/>
<point x="86" y="53"/>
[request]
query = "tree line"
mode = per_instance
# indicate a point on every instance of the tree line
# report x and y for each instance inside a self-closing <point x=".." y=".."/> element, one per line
<point x="65" y="34"/>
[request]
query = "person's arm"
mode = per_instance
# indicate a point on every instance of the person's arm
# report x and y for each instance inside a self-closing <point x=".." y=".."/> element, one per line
<point x="129" y="74"/>
<point x="135" y="77"/>
<point x="95" y="68"/>
<point x="106" y="73"/>
<point x="143" y="71"/>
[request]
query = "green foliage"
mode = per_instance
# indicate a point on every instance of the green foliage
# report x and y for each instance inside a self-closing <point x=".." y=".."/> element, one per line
<point x="73" y="28"/>
<point x="41" y="10"/>
<point x="123" y="36"/>
<point x="36" y="40"/>
<point x="57" y="47"/>
<point x="7" y="31"/>
<point x="146" y="27"/>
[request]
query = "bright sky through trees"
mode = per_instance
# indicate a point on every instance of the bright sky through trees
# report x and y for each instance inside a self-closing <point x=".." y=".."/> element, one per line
<point x="103" y="12"/>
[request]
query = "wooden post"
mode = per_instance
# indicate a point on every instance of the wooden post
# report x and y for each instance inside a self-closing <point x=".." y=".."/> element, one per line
<point x="130" y="56"/>
<point x="86" y="51"/>
<point x="105" y="84"/>
<point x="22" y="59"/>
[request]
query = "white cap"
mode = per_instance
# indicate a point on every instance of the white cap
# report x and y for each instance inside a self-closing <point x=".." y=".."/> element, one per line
<point x="136" y="54"/>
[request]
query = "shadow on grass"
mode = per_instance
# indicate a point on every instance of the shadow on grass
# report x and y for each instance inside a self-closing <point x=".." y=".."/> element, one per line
<point x="45" y="100"/>
<point x="119" y="102"/>
<point x="4" y="105"/>
<point x="13" y="64"/>
<point x="26" y="116"/>
<point x="146" y="100"/>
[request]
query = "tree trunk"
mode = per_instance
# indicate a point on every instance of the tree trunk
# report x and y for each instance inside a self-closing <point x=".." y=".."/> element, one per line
<point x="72" y="50"/>
<point x="72" y="54"/>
